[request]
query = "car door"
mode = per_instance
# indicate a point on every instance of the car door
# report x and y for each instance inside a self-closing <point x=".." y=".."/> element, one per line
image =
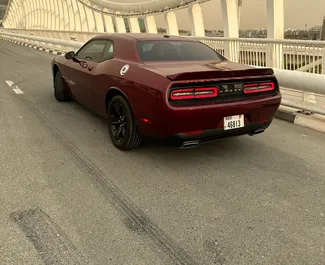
<point x="79" y="72"/>
<point x="102" y="81"/>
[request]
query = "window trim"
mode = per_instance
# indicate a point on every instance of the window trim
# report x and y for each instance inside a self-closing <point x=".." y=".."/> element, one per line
<point x="97" y="39"/>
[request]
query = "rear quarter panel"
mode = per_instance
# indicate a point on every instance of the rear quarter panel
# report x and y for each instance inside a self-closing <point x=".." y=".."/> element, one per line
<point x="144" y="90"/>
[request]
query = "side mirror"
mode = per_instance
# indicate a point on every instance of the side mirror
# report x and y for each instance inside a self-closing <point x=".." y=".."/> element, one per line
<point x="70" y="55"/>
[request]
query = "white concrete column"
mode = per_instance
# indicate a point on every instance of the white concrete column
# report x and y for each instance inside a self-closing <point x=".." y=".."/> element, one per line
<point x="83" y="17"/>
<point x="59" y="8"/>
<point x="49" y="15"/>
<point x="230" y="25"/>
<point x="275" y="19"/>
<point x="9" y="19"/>
<point x="91" y="19"/>
<point x="120" y="25"/>
<point x="171" y="21"/>
<point x="14" y="10"/>
<point x="18" y="15"/>
<point x="275" y="30"/>
<point x="196" y="18"/>
<point x="39" y="14"/>
<point x="42" y="15"/>
<point x="99" y="22"/>
<point x="36" y="14"/>
<point x="30" y="14"/>
<point x="108" y="23"/>
<point x="134" y="25"/>
<point x="66" y="14"/>
<point x="239" y="6"/>
<point x="25" y="12"/>
<point x="55" y="22"/>
<point x="72" y="16"/>
<point x="76" y="15"/>
<point x="150" y="23"/>
<point x="230" y="18"/>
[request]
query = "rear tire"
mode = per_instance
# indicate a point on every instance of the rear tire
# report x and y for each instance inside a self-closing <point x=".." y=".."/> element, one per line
<point x="59" y="92"/>
<point x="121" y="124"/>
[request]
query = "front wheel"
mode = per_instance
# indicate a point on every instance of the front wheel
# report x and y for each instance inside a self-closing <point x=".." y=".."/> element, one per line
<point x="59" y="92"/>
<point x="121" y="124"/>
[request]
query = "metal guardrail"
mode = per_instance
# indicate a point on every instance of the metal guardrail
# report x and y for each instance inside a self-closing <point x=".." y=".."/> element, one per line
<point x="305" y="91"/>
<point x="301" y="55"/>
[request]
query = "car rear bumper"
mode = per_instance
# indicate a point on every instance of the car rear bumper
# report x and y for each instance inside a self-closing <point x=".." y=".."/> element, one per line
<point x="178" y="122"/>
<point x="215" y="134"/>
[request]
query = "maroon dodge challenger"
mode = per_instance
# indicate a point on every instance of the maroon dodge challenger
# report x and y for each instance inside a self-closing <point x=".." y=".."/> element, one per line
<point x="167" y="87"/>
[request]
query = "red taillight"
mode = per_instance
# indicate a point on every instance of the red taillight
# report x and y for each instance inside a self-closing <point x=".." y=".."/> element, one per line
<point x="209" y="92"/>
<point x="181" y="94"/>
<point x="258" y="87"/>
<point x="193" y="93"/>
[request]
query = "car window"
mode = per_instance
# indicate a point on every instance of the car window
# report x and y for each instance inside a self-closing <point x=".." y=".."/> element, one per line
<point x="96" y="50"/>
<point x="108" y="51"/>
<point x="170" y="50"/>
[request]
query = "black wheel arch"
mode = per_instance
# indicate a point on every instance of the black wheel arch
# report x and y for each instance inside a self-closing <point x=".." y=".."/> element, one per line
<point x="111" y="93"/>
<point x="55" y="69"/>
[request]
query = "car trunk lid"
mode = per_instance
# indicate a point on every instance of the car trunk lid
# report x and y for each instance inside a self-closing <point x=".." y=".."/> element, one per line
<point x="176" y="71"/>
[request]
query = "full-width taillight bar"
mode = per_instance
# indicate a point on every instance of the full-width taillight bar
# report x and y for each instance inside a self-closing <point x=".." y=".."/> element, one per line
<point x="258" y="87"/>
<point x="194" y="93"/>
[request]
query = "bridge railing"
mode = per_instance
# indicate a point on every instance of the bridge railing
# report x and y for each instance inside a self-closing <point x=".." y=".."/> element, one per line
<point x="301" y="90"/>
<point x="299" y="55"/>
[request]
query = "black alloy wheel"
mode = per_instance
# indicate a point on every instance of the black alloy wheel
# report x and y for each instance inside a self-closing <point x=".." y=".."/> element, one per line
<point x="59" y="91"/>
<point x="121" y="124"/>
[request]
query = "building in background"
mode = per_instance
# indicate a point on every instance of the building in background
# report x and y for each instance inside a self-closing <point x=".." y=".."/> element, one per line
<point x="2" y="11"/>
<point x="315" y="33"/>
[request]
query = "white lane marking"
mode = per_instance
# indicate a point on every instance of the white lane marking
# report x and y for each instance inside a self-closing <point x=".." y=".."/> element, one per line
<point x="18" y="91"/>
<point x="9" y="83"/>
<point x="15" y="88"/>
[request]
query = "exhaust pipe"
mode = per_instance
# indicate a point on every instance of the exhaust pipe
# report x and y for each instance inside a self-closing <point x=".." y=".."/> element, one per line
<point x="189" y="144"/>
<point x="257" y="132"/>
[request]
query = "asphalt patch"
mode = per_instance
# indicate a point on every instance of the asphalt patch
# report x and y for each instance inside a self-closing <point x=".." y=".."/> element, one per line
<point x="51" y="243"/>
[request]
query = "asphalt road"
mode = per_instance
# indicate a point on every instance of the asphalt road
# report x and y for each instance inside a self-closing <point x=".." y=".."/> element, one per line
<point x="69" y="197"/>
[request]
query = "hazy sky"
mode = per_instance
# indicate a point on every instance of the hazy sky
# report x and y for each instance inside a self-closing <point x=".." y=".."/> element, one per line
<point x="297" y="13"/>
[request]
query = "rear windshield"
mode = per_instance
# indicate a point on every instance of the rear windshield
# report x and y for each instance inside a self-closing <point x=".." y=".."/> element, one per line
<point x="169" y="50"/>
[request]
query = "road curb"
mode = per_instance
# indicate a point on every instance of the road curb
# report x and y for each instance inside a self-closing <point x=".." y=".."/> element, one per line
<point x="40" y="48"/>
<point x="312" y="121"/>
<point x="286" y="116"/>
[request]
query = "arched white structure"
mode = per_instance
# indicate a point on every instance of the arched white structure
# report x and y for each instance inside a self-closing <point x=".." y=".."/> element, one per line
<point x="110" y="15"/>
<point x="140" y="7"/>
<point x="99" y="15"/>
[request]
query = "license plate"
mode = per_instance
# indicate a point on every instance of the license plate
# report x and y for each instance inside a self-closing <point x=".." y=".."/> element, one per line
<point x="233" y="122"/>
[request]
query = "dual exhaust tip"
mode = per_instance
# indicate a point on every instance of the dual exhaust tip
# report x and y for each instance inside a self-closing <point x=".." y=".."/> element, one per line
<point x="196" y="143"/>
<point x="190" y="144"/>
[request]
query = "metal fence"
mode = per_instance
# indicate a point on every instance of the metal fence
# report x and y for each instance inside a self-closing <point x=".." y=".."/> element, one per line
<point x="299" y="55"/>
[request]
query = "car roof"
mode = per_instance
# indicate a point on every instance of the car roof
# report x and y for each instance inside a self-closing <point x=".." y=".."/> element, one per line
<point x="125" y="47"/>
<point x="142" y="36"/>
